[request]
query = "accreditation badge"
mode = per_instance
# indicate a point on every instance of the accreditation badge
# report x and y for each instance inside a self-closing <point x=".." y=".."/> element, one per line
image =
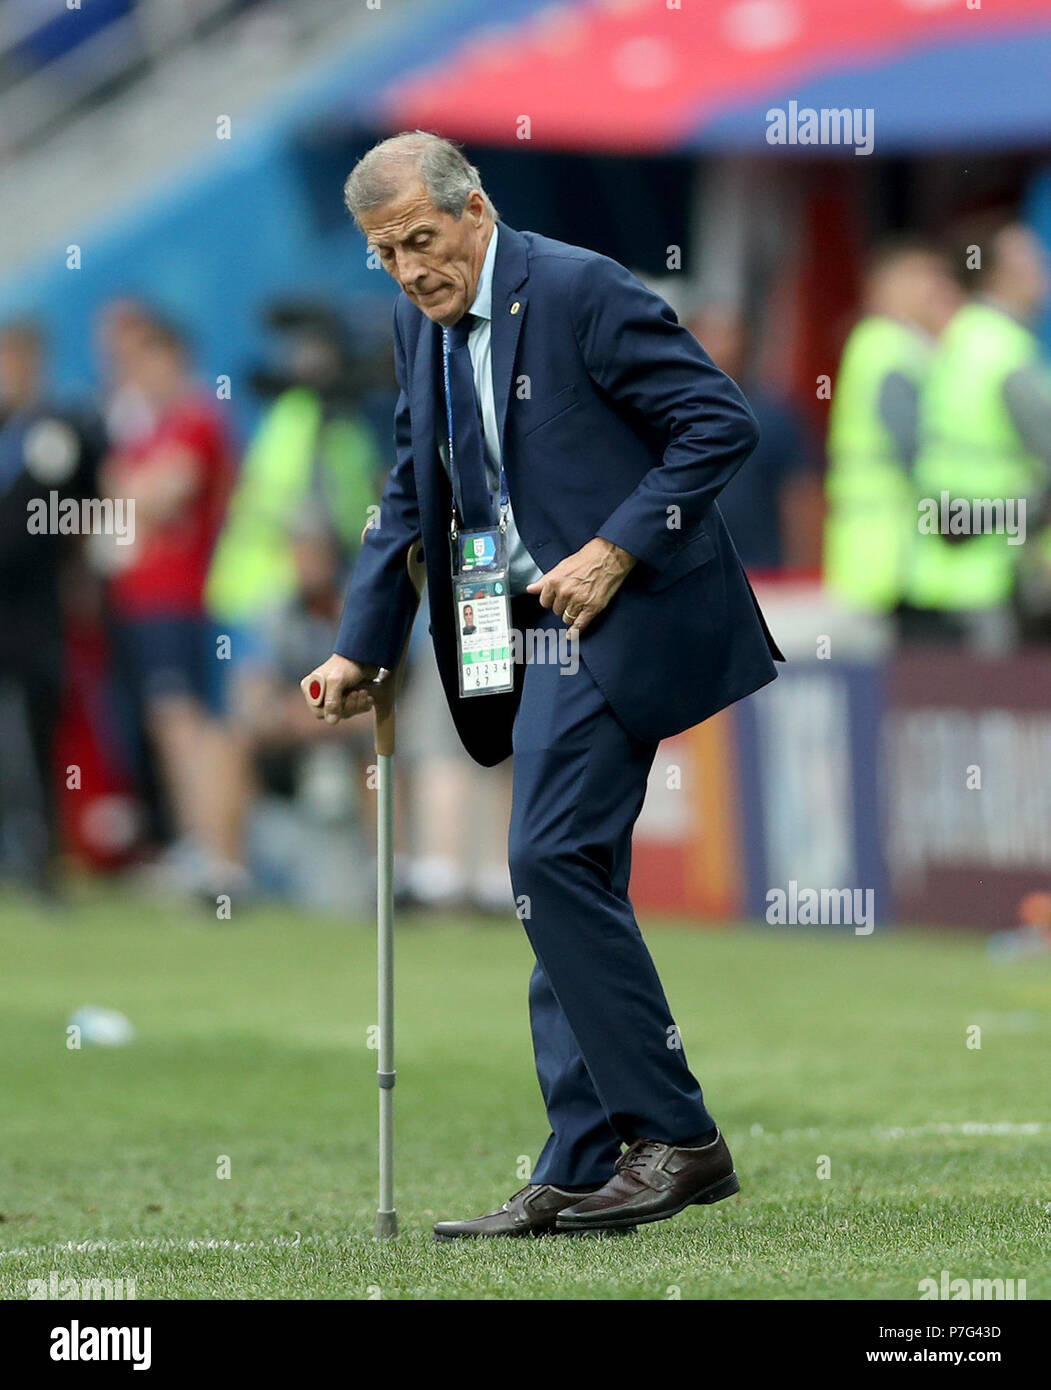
<point x="482" y="612"/>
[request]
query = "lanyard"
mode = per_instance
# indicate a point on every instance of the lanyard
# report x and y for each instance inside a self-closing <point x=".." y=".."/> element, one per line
<point x="452" y="460"/>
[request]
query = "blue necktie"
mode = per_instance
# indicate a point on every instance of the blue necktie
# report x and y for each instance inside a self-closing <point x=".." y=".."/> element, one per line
<point x="471" y="477"/>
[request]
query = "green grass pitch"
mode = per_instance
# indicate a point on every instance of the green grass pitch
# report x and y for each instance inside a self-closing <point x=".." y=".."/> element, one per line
<point x="252" y="1044"/>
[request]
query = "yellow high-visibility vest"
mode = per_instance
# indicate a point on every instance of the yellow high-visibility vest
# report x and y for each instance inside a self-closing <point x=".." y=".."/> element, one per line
<point x="871" y="525"/>
<point x="970" y="449"/>
<point x="253" y="567"/>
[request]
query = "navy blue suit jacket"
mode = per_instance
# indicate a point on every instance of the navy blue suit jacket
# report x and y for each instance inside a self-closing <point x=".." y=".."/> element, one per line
<point x="614" y="422"/>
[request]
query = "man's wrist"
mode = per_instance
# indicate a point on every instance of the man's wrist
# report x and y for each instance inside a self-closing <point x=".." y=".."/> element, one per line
<point x="367" y="668"/>
<point x="622" y="559"/>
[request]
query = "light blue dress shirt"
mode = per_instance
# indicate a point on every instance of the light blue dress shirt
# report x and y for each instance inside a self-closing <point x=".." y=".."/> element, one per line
<point x="522" y="569"/>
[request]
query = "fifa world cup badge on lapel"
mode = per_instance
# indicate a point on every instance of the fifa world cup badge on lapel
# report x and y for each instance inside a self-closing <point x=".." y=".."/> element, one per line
<point x="482" y="612"/>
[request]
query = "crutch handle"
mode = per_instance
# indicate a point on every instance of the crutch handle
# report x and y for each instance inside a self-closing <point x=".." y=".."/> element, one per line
<point x="315" y="692"/>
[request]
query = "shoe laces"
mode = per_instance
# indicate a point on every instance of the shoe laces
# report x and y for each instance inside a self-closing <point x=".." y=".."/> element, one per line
<point x="640" y="1154"/>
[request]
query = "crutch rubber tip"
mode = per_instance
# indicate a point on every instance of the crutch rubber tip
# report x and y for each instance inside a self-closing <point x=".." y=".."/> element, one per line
<point x="315" y="690"/>
<point x="386" y="1225"/>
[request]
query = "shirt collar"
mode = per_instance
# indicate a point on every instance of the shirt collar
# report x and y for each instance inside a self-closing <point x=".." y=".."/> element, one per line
<point x="482" y="307"/>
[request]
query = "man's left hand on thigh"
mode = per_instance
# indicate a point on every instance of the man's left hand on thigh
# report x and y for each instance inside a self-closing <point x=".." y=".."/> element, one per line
<point x="582" y="585"/>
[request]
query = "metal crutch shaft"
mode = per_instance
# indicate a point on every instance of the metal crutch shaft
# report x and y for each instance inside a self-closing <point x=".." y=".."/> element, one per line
<point x="386" y="695"/>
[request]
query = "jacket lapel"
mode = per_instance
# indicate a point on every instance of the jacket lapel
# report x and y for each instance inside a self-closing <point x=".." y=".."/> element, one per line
<point x="509" y="273"/>
<point x="425" y="400"/>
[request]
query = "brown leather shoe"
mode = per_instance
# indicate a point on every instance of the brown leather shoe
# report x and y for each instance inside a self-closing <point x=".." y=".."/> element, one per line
<point x="654" y="1181"/>
<point x="530" y="1212"/>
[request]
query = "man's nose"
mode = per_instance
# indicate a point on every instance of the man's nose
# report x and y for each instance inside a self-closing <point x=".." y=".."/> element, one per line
<point x="408" y="268"/>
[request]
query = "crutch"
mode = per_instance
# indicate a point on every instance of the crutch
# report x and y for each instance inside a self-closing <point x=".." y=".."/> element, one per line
<point x="384" y="697"/>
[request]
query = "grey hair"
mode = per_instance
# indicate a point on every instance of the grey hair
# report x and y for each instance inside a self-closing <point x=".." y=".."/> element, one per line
<point x="381" y="174"/>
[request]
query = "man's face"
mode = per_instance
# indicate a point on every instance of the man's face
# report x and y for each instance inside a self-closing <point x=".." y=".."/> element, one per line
<point x="435" y="257"/>
<point x="929" y="297"/>
<point x="159" y="372"/>
<point x="122" y="329"/>
<point x="19" y="369"/>
<point x="1023" y="269"/>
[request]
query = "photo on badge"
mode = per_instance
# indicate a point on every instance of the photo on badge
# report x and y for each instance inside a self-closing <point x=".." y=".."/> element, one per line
<point x="483" y="634"/>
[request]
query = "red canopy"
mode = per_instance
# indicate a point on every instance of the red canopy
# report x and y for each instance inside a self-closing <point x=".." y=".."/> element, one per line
<point x="646" y="74"/>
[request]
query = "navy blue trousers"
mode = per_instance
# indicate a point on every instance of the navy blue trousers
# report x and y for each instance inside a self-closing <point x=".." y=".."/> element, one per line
<point x="608" y="1058"/>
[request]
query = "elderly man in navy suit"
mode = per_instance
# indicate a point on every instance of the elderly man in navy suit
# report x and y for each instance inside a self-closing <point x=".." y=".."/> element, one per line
<point x="595" y="434"/>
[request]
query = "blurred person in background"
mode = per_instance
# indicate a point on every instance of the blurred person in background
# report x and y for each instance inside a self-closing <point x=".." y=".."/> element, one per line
<point x="178" y="475"/>
<point x="312" y="447"/>
<point x="871" y="523"/>
<point x="45" y="449"/>
<point x="123" y="327"/>
<point x="985" y="433"/>
<point x="308" y="829"/>
<point x="760" y="503"/>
